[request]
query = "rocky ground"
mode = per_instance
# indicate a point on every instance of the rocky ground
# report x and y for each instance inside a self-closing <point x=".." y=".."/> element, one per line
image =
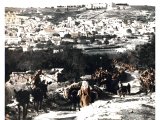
<point x="133" y="107"/>
<point x="137" y="106"/>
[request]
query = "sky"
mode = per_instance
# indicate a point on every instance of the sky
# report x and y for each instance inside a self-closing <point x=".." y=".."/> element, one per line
<point x="49" y="3"/>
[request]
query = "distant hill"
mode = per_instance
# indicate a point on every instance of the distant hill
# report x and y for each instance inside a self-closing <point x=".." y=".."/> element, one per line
<point x="13" y="9"/>
<point x="144" y="7"/>
<point x="130" y="13"/>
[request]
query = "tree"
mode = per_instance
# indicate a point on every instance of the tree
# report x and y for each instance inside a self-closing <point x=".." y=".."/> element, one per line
<point x="58" y="10"/>
<point x="146" y="53"/>
<point x="67" y="36"/>
<point x="12" y="58"/>
<point x="129" y="31"/>
<point x="77" y="23"/>
<point x="106" y="42"/>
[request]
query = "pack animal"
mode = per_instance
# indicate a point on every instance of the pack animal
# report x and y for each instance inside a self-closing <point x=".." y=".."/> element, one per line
<point x="39" y="93"/>
<point x="71" y="93"/>
<point x="23" y="98"/>
<point x="37" y="98"/>
<point x="123" y="90"/>
<point x="72" y="96"/>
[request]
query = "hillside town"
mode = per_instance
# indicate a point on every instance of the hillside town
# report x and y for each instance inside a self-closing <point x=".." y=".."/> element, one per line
<point x="34" y="32"/>
<point x="63" y="61"/>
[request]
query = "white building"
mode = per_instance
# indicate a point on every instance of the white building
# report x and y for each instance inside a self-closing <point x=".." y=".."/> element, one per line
<point x="111" y="6"/>
<point x="96" y="5"/>
<point x="12" y="40"/>
<point x="26" y="48"/>
<point x="122" y="6"/>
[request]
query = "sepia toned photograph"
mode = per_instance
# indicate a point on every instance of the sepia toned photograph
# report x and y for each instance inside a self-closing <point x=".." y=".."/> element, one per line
<point x="80" y="60"/>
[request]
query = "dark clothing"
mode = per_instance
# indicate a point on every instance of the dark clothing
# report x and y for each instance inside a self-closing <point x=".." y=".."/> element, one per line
<point x="37" y="80"/>
<point x="41" y="85"/>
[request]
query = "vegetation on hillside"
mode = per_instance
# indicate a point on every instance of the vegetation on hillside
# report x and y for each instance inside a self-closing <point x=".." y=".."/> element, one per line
<point x="74" y="62"/>
<point x="146" y="53"/>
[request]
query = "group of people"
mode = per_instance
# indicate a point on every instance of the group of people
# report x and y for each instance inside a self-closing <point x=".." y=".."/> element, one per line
<point x="38" y="91"/>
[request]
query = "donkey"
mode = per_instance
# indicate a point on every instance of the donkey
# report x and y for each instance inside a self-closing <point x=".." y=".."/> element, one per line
<point x="71" y="93"/>
<point x="39" y="94"/>
<point x="123" y="90"/>
<point x="23" y="98"/>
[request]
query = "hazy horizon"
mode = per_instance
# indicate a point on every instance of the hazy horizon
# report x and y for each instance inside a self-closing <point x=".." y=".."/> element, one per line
<point x="50" y="3"/>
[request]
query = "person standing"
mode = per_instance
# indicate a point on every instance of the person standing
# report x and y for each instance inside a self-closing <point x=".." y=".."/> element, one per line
<point x="37" y="79"/>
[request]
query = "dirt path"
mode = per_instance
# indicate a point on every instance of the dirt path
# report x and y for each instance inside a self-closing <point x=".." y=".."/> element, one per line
<point x="136" y="106"/>
<point x="133" y="107"/>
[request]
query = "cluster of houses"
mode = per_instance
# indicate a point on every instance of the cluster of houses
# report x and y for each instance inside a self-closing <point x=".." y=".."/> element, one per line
<point x="35" y="33"/>
<point x="30" y="33"/>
